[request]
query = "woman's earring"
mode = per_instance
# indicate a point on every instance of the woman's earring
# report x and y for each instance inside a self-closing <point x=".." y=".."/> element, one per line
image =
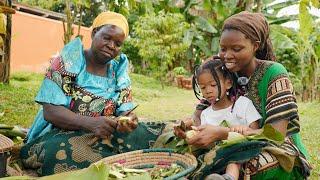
<point x="227" y="93"/>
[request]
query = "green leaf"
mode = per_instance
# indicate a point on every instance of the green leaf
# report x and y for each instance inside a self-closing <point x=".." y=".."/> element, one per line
<point x="317" y="50"/>
<point x="132" y="4"/>
<point x="224" y="123"/>
<point x="14" y="132"/>
<point x="278" y="6"/>
<point x="188" y="37"/>
<point x="283" y="19"/>
<point x="84" y="3"/>
<point x="207" y="5"/>
<point x="205" y="25"/>
<point x="315" y="3"/>
<point x="233" y="138"/>
<point x="181" y="142"/>
<point x="4" y="126"/>
<point x="269" y="133"/>
<point x="305" y="20"/>
<point x="189" y="53"/>
<point x="203" y="46"/>
<point x="19" y="178"/>
<point x="189" y="5"/>
<point x="215" y="46"/>
<point x="267" y="1"/>
<point x="281" y="41"/>
<point x="94" y="171"/>
<point x="143" y="176"/>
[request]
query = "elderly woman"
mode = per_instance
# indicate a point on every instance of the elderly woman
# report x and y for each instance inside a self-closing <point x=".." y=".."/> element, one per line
<point x="82" y="96"/>
<point x="245" y="49"/>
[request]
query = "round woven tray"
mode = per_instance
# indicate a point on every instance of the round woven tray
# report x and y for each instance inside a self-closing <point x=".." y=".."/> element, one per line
<point x="147" y="158"/>
<point x="5" y="144"/>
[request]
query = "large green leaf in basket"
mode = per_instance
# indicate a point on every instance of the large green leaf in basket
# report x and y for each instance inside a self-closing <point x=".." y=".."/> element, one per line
<point x="144" y="176"/>
<point x="98" y="171"/>
<point x="19" y="178"/>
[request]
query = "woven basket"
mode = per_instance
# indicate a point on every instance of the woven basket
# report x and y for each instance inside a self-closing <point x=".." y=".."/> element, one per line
<point x="5" y="146"/>
<point x="148" y="158"/>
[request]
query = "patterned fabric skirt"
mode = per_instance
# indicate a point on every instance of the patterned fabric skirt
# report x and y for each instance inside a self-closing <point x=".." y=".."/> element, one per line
<point x="260" y="160"/>
<point x="59" y="151"/>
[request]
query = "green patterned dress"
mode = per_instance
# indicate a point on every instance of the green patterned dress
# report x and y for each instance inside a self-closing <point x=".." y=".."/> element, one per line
<point x="50" y="150"/>
<point x="271" y="92"/>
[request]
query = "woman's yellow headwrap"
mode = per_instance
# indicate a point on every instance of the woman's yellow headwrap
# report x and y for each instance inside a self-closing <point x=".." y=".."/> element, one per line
<point x="112" y="18"/>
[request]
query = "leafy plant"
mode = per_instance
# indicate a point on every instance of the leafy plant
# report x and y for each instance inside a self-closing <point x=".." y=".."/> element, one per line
<point x="180" y="71"/>
<point x="308" y="50"/>
<point x="160" y="42"/>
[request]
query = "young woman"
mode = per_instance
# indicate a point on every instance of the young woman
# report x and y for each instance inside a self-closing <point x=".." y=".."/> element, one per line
<point x="245" y="49"/>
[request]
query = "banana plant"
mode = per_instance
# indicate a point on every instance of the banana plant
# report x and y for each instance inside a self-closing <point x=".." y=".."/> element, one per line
<point x="206" y="19"/>
<point x="309" y="50"/>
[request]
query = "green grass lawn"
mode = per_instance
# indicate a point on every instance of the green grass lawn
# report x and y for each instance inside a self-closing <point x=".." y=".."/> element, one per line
<point x="17" y="106"/>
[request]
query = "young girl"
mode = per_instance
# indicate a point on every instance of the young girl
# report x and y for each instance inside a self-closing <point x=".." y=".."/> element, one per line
<point x="216" y="85"/>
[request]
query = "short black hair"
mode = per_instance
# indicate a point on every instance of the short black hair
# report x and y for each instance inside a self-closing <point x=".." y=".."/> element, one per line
<point x="216" y="67"/>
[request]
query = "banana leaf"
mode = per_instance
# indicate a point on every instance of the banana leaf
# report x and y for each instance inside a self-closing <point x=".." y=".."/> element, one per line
<point x="95" y="171"/>
<point x="4" y="126"/>
<point x="12" y="133"/>
<point x="268" y="134"/>
<point x="19" y="178"/>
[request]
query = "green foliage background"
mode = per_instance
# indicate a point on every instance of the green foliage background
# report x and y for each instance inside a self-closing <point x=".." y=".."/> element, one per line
<point x="188" y="31"/>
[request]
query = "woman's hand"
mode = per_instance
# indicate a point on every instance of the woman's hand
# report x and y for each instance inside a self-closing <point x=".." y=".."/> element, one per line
<point x="207" y="134"/>
<point x="129" y="125"/>
<point x="102" y="126"/>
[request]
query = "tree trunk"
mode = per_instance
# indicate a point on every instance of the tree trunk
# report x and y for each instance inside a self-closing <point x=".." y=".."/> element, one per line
<point x="249" y="5"/>
<point x="5" y="65"/>
<point x="80" y="21"/>
<point x="68" y="31"/>
<point x="259" y="5"/>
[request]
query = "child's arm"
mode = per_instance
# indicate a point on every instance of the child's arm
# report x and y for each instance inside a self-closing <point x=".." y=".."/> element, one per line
<point x="196" y="118"/>
<point x="243" y="129"/>
<point x="254" y="125"/>
<point x="252" y="117"/>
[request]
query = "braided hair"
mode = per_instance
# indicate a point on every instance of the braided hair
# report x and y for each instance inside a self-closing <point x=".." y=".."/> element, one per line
<point x="216" y="68"/>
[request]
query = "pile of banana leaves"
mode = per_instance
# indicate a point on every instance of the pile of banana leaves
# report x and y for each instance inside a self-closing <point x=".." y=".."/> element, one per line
<point x="101" y="171"/>
<point x="16" y="133"/>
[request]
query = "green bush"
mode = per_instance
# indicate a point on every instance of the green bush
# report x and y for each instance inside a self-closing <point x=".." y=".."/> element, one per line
<point x="180" y="71"/>
<point x="159" y="39"/>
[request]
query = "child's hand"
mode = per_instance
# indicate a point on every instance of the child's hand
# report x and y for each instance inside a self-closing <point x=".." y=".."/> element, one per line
<point x="179" y="132"/>
<point x="240" y="129"/>
<point x="181" y="127"/>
